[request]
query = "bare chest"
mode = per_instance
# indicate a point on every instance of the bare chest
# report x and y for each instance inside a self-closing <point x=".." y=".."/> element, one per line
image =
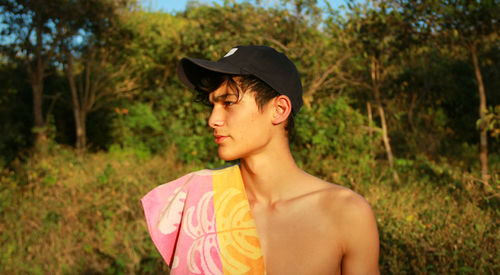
<point x="298" y="242"/>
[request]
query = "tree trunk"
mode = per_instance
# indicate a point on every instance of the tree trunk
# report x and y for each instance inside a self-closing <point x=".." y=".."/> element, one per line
<point x="36" y="79"/>
<point x="37" y="88"/>
<point x="78" y="113"/>
<point x="375" y="73"/>
<point x="483" y="137"/>
<point x="370" y="119"/>
<point x="385" y="136"/>
<point x="370" y="134"/>
<point x="81" y="132"/>
<point x="410" y="112"/>
<point x="387" y="144"/>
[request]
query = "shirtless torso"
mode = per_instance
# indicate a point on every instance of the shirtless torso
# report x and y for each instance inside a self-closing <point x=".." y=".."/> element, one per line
<point x="305" y="225"/>
<point x="318" y="228"/>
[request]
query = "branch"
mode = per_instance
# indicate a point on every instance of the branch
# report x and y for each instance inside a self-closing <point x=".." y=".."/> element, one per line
<point x="371" y="128"/>
<point x="51" y="106"/>
<point x="107" y="98"/>
<point x="354" y="82"/>
<point x="318" y="82"/>
<point x="277" y="43"/>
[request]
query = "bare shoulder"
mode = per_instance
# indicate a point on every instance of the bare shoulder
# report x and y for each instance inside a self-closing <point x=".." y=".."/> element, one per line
<point x="342" y="201"/>
<point x="337" y="206"/>
<point x="352" y="205"/>
<point x="350" y="215"/>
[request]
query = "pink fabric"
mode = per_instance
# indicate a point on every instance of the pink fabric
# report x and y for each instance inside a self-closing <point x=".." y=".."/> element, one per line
<point x="169" y="205"/>
<point x="202" y="223"/>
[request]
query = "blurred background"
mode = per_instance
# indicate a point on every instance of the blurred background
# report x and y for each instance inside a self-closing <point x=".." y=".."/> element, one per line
<point x="402" y="105"/>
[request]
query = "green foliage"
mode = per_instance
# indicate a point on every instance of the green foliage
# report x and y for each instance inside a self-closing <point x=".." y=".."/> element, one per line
<point x="174" y="119"/>
<point x="186" y="128"/>
<point x="331" y="134"/>
<point x="492" y="120"/>
<point x="440" y="219"/>
<point x="136" y="126"/>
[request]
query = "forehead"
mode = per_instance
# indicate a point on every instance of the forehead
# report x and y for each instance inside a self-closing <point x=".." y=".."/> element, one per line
<point x="225" y="90"/>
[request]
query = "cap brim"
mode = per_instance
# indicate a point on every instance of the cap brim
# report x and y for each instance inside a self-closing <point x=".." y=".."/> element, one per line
<point x="190" y="70"/>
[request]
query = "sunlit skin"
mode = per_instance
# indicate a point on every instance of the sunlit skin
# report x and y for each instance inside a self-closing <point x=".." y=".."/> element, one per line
<point x="305" y="225"/>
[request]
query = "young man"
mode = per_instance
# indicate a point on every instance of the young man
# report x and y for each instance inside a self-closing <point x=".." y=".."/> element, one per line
<point x="265" y="215"/>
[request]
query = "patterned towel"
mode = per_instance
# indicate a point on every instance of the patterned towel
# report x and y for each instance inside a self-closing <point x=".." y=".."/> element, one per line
<point x="201" y="224"/>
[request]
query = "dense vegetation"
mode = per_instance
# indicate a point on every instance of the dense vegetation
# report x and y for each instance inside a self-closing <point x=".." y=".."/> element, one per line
<point x="402" y="105"/>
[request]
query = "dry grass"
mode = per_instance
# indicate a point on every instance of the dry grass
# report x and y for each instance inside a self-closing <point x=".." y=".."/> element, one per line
<point x="80" y="215"/>
<point x="63" y="214"/>
<point x="426" y="230"/>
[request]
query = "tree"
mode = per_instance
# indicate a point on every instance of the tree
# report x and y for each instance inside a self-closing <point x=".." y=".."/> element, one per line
<point x="373" y="38"/>
<point x="31" y="37"/>
<point x="98" y="78"/>
<point x="37" y="33"/>
<point x="303" y="40"/>
<point x="473" y="26"/>
<point x="96" y="70"/>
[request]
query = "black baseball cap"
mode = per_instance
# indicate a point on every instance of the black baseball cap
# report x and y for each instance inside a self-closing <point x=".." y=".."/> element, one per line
<point x="263" y="62"/>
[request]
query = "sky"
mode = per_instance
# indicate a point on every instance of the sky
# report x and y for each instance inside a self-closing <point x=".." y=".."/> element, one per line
<point x="179" y="5"/>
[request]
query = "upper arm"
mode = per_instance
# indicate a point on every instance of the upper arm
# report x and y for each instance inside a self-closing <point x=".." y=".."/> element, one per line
<point x="361" y="250"/>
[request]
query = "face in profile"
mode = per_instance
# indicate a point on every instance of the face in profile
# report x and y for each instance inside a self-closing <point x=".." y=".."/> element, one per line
<point x="241" y="129"/>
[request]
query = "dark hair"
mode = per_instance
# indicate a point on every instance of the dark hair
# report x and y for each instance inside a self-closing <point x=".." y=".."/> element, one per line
<point x="263" y="92"/>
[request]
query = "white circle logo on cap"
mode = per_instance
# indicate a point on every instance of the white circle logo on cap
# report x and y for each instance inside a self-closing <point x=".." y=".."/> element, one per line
<point x="231" y="52"/>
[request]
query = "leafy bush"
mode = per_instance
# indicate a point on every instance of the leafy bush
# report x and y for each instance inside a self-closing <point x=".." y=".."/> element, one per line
<point x="67" y="214"/>
<point x="331" y="142"/>
<point x="187" y="127"/>
<point x="136" y="126"/>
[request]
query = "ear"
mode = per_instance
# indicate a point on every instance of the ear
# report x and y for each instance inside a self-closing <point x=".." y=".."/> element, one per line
<point x="281" y="109"/>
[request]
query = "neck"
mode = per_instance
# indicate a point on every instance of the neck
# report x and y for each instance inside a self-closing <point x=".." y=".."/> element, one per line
<point x="270" y="177"/>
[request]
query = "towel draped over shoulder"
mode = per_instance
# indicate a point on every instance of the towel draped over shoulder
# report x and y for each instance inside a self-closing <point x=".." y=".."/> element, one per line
<point x="201" y="223"/>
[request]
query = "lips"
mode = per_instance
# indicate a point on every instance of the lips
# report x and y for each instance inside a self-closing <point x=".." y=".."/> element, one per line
<point x="219" y="138"/>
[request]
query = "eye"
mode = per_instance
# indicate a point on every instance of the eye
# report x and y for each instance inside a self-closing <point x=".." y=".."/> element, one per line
<point x="228" y="103"/>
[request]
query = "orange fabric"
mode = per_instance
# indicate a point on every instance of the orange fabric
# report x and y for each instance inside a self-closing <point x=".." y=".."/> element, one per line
<point x="236" y="232"/>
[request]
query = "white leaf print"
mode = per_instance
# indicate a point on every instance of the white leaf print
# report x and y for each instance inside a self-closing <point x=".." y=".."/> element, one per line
<point x="171" y="215"/>
<point x="201" y="227"/>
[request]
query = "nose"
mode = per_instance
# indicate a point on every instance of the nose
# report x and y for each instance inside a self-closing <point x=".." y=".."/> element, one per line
<point x="216" y="118"/>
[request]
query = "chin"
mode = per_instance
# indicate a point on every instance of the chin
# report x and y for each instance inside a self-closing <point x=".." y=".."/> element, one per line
<point x="227" y="156"/>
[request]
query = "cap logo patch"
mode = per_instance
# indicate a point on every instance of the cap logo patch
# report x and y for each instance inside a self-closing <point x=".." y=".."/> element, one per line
<point x="231" y="52"/>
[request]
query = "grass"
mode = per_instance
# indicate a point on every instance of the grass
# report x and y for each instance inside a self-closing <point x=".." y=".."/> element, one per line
<point x="423" y="230"/>
<point x="70" y="215"/>
<point x="64" y="214"/>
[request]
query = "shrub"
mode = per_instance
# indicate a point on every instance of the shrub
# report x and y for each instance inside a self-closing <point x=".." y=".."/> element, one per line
<point x="331" y="142"/>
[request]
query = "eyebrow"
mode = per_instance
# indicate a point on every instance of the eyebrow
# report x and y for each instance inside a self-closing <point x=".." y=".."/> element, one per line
<point x="220" y="97"/>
